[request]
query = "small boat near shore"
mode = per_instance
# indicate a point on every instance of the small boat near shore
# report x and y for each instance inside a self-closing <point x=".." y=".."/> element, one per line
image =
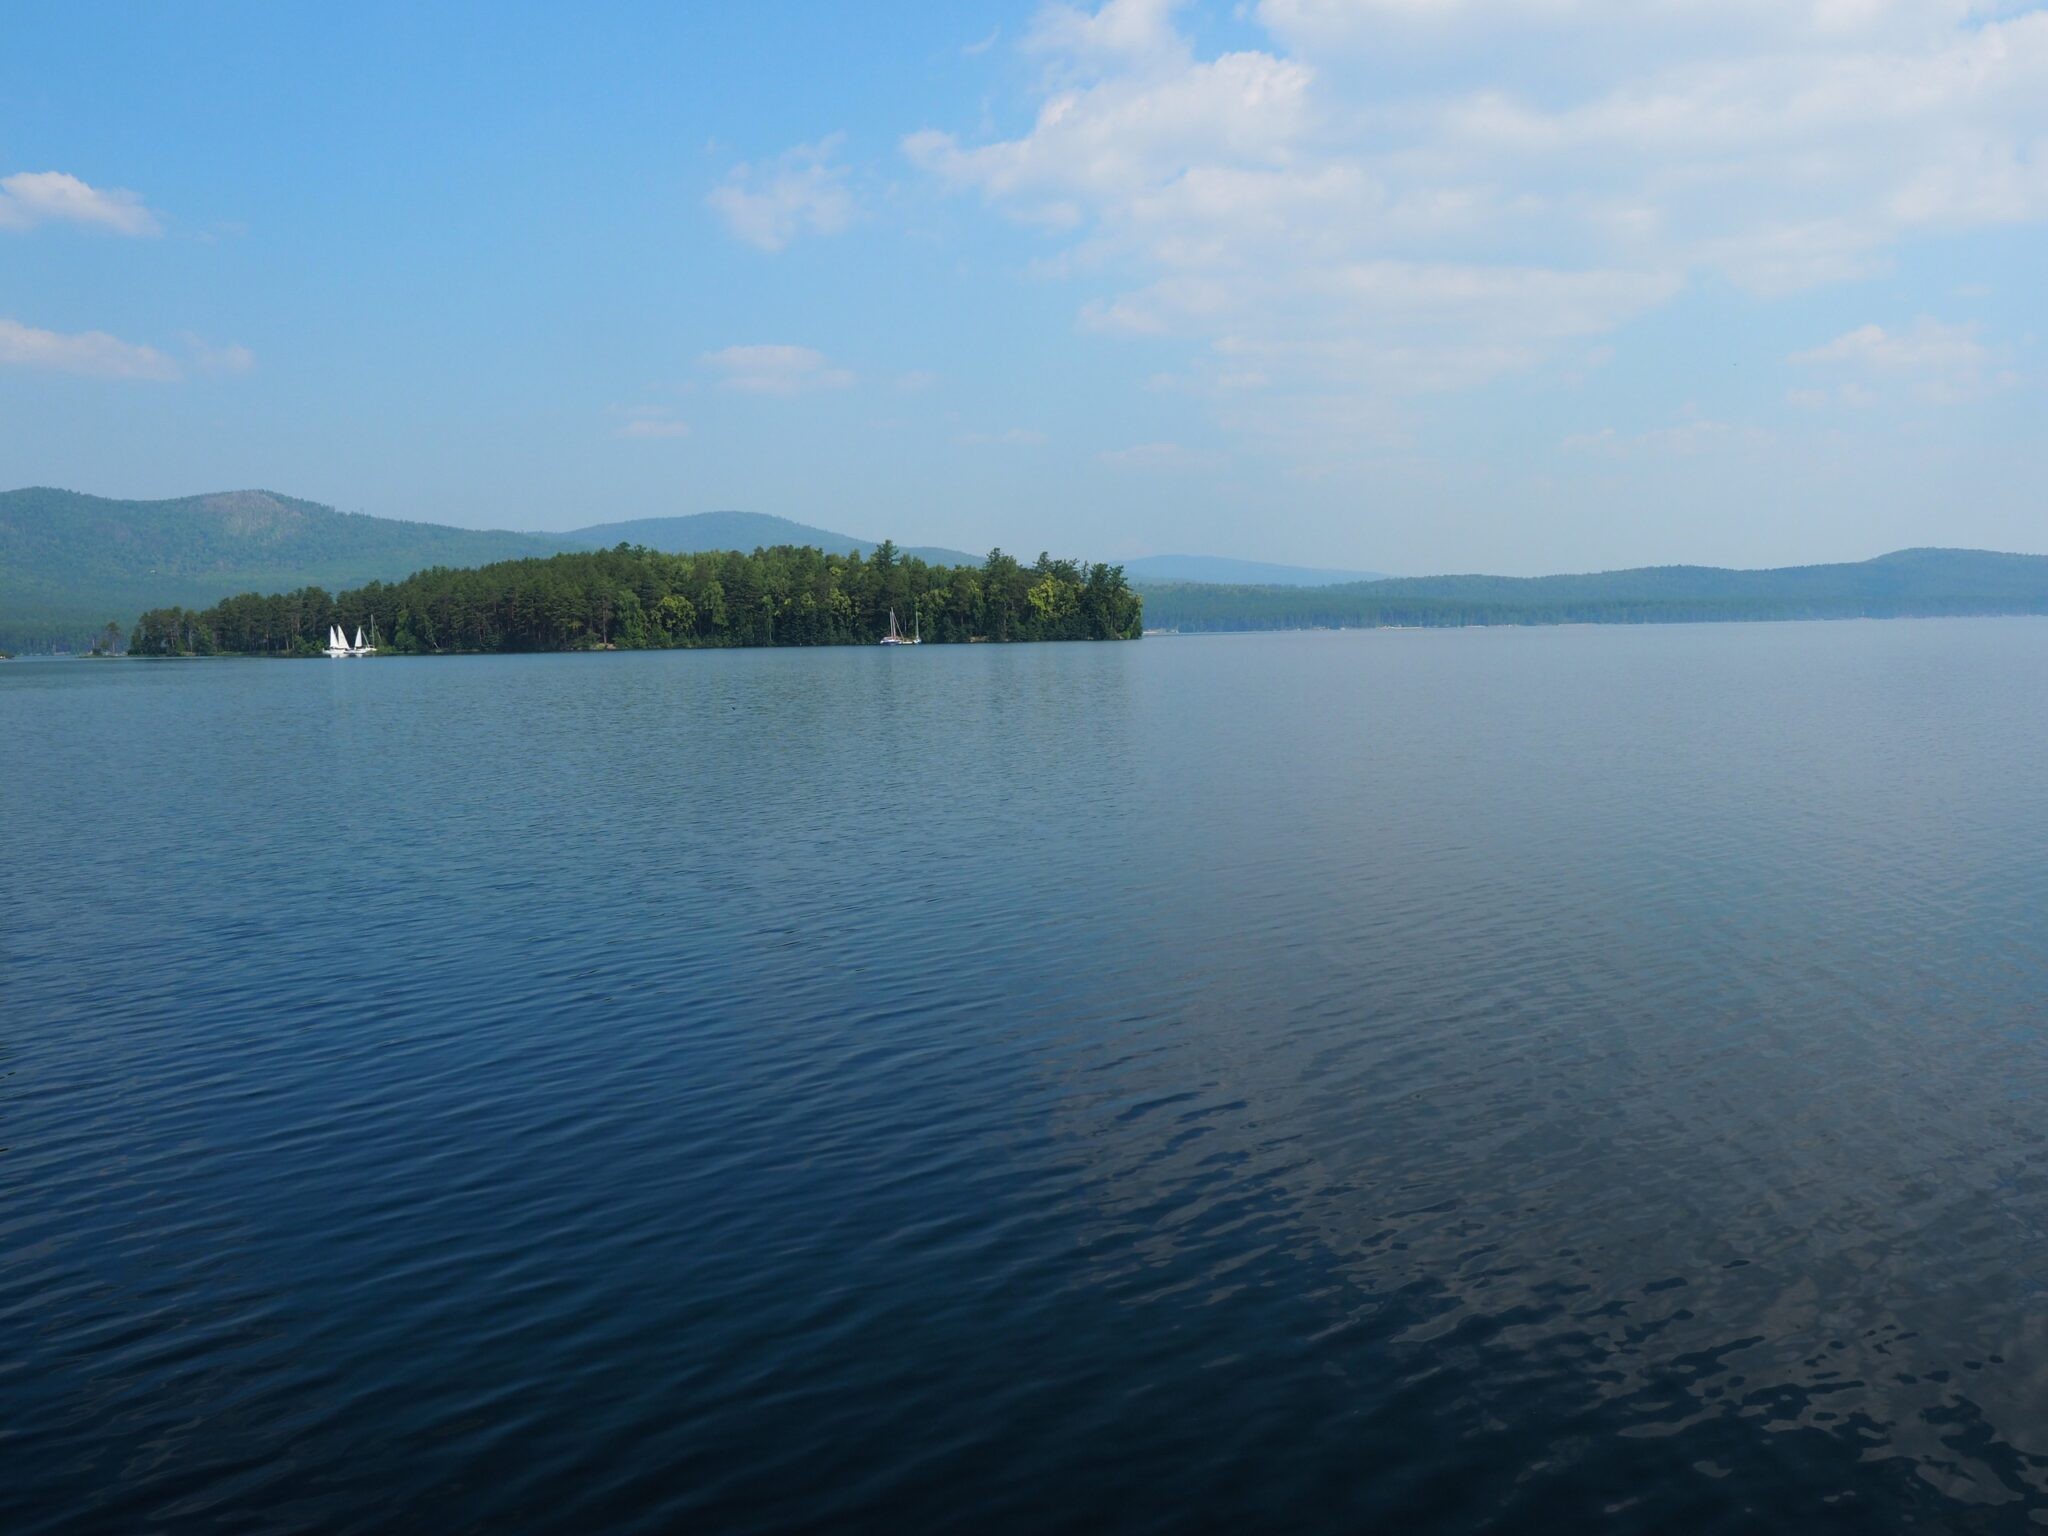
<point x="896" y="635"/>
<point x="339" y="649"/>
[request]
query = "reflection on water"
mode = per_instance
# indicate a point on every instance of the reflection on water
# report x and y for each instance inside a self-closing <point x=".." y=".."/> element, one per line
<point x="1415" y="1081"/>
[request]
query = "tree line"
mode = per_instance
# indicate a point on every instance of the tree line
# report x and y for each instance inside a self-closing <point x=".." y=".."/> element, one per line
<point x="631" y="598"/>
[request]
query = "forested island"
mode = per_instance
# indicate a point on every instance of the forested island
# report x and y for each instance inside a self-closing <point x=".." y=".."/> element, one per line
<point x="632" y="598"/>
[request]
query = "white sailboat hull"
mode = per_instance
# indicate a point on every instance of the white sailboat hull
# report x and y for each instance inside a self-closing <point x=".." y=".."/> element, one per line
<point x="339" y="649"/>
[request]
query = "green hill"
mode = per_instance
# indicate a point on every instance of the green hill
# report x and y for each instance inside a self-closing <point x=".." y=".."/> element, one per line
<point x="1912" y="582"/>
<point x="744" y="531"/>
<point x="70" y="562"/>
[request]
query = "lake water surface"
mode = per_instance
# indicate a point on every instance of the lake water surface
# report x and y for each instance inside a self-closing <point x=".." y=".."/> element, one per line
<point x="1518" y="1080"/>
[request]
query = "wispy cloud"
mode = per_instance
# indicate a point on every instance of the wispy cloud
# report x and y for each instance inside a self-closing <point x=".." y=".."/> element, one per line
<point x="1694" y="436"/>
<point x="29" y="198"/>
<point x="1929" y="345"/>
<point x="775" y="370"/>
<point x="1155" y="456"/>
<point x="800" y="192"/>
<point x="1014" y="437"/>
<point x="1944" y="364"/>
<point x="649" y="423"/>
<point x="229" y="357"/>
<point x="93" y="354"/>
<point x="1394" y="197"/>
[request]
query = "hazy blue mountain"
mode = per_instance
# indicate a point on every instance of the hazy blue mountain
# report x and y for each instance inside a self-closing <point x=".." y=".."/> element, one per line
<point x="1221" y="568"/>
<point x="745" y="531"/>
<point x="1927" y="582"/>
<point x="70" y="562"/>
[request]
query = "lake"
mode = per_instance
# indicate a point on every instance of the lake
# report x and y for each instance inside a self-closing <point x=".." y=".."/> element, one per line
<point x="1515" y="1079"/>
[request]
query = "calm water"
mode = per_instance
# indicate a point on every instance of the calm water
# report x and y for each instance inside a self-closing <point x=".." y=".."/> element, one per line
<point x="1422" y="1082"/>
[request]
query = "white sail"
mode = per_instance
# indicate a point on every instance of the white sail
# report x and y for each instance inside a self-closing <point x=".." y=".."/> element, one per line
<point x="359" y="638"/>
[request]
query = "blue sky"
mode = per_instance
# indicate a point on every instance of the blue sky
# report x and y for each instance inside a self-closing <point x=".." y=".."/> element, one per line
<point x="1418" y="285"/>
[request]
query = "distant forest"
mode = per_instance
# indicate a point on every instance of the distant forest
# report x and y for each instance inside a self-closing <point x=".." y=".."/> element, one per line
<point x="1910" y="583"/>
<point x="630" y="598"/>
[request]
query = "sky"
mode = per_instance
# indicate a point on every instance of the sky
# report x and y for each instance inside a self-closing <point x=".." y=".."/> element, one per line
<point x="1406" y="285"/>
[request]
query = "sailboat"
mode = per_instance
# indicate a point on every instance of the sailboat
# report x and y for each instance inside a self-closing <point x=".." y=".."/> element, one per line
<point x="896" y="635"/>
<point x="338" y="645"/>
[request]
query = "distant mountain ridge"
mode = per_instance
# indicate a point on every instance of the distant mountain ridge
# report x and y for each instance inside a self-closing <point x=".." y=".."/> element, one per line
<point x="69" y="562"/>
<point x="697" y="532"/>
<point x="1221" y="568"/>
<point x="1906" y="583"/>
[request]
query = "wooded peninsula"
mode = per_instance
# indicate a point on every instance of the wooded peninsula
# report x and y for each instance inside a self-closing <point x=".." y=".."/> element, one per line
<point x="631" y="598"/>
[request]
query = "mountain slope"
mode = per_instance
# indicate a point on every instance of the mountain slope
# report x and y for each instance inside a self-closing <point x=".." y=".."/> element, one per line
<point x="70" y="562"/>
<point x="1250" y="573"/>
<point x="743" y="531"/>
<point x="1909" y="582"/>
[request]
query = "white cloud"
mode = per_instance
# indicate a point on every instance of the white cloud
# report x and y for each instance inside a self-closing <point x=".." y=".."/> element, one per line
<point x="1121" y="31"/>
<point x="1155" y="456"/>
<point x="1690" y="438"/>
<point x="800" y="192"/>
<point x="649" y="423"/>
<point x="1398" y="196"/>
<point x="1128" y="135"/>
<point x="232" y="357"/>
<point x="1944" y="364"/>
<point x="29" y="198"/>
<point x="93" y="354"/>
<point x="1348" y="25"/>
<point x="1015" y="437"/>
<point x="775" y="370"/>
<point x="1929" y="345"/>
<point x="1785" y="144"/>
